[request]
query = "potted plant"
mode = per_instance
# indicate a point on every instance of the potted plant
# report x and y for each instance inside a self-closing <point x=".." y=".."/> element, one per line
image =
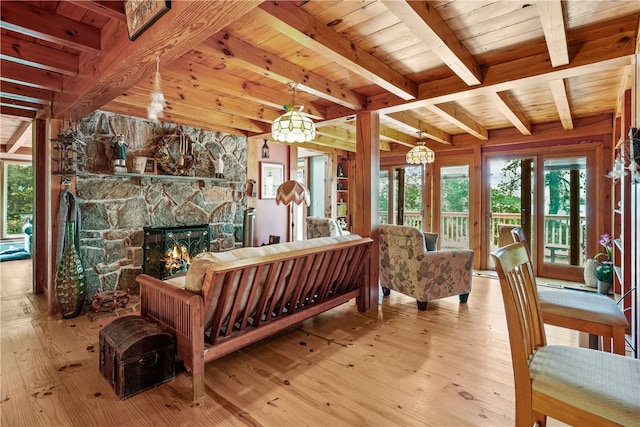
<point x="604" y="270"/>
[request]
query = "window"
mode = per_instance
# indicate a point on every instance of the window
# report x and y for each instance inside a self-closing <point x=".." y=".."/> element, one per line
<point x="17" y="197"/>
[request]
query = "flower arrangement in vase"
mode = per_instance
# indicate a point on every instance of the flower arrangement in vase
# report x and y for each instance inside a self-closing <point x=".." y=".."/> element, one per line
<point x="604" y="270"/>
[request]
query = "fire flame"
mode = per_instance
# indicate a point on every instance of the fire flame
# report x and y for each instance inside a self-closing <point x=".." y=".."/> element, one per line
<point x="178" y="259"/>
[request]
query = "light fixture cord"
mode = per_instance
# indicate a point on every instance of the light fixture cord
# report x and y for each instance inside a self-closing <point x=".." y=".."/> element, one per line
<point x="293" y="99"/>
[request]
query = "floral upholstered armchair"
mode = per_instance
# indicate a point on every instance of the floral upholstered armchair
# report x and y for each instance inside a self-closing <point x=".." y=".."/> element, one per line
<point x="323" y="227"/>
<point x="406" y="266"/>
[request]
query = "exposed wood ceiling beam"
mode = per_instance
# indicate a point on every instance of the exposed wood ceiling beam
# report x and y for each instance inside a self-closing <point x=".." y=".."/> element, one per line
<point x="26" y="19"/>
<point x="451" y="112"/>
<point x="204" y="113"/>
<point x="396" y="137"/>
<point x="126" y="108"/>
<point x="18" y="112"/>
<point x="229" y="84"/>
<point x="505" y="103"/>
<point x="13" y="143"/>
<point x="414" y="125"/>
<point x="435" y="92"/>
<point x="340" y="144"/>
<point x="624" y="83"/>
<point x="40" y="56"/>
<point x="326" y="148"/>
<point x="295" y="23"/>
<point x="43" y="79"/>
<point x="257" y="60"/>
<point x="110" y="9"/>
<point x="126" y="62"/>
<point x="23" y="155"/>
<point x="559" y="92"/>
<point x="555" y="33"/>
<point x="16" y="103"/>
<point x="594" y="55"/>
<point x="25" y="93"/>
<point x="347" y="135"/>
<point x="585" y="127"/>
<point x="208" y="99"/>
<point x="427" y="24"/>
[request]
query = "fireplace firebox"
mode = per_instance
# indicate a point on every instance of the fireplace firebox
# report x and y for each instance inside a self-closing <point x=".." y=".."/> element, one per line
<point x="169" y="250"/>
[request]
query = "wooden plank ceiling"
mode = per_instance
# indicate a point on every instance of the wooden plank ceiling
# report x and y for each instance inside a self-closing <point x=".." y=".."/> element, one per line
<point x="451" y="69"/>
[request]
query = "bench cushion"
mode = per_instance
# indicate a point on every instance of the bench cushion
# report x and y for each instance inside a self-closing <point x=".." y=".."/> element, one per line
<point x="200" y="262"/>
<point x="198" y="269"/>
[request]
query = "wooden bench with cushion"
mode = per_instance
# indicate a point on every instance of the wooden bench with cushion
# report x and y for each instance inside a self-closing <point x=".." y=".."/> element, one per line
<point x="232" y="299"/>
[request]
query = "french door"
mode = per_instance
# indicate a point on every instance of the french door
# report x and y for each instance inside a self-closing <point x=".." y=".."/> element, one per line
<point x="547" y="196"/>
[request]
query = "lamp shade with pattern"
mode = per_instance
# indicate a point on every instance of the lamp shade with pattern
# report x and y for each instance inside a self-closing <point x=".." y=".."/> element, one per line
<point x="292" y="192"/>
<point x="293" y="125"/>
<point x="420" y="154"/>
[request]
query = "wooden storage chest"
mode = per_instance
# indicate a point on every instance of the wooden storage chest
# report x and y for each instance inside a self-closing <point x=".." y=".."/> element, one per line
<point x="135" y="355"/>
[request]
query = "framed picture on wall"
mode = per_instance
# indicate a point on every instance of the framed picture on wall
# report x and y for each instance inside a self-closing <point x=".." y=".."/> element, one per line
<point x="150" y="166"/>
<point x="271" y="176"/>
<point x="140" y="15"/>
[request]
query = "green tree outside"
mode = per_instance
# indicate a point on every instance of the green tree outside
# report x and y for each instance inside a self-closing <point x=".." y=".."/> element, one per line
<point x="19" y="196"/>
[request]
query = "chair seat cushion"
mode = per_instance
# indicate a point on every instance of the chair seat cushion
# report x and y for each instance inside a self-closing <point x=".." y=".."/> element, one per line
<point x="602" y="383"/>
<point x="581" y="305"/>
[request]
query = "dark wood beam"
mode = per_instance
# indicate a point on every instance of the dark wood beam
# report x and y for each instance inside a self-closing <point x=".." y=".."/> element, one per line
<point x="124" y="63"/>
<point x="24" y="18"/>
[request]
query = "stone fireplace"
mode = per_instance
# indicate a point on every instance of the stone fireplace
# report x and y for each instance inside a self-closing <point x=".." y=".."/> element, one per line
<point x="169" y="250"/>
<point x="116" y="208"/>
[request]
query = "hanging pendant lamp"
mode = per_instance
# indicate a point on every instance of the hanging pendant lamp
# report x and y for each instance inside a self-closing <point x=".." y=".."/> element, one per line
<point x="293" y="125"/>
<point x="420" y="154"/>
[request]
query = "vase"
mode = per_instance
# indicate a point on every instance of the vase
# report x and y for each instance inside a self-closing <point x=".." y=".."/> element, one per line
<point x="590" y="278"/>
<point x="70" y="282"/>
<point x="604" y="287"/>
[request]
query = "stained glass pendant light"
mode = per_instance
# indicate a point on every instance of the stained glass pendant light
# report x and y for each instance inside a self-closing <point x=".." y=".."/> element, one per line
<point x="293" y="125"/>
<point x="420" y="154"/>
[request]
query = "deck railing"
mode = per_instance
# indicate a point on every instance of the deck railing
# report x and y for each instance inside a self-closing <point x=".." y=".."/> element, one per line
<point x="454" y="230"/>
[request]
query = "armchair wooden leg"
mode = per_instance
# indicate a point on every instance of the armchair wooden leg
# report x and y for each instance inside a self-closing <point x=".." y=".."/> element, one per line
<point x="422" y="305"/>
<point x="464" y="297"/>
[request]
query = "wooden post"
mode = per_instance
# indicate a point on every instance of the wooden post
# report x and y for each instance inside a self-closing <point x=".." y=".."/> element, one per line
<point x="366" y="200"/>
<point x="42" y="266"/>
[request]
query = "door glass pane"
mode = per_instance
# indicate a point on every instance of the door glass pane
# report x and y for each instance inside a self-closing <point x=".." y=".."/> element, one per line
<point x="413" y="196"/>
<point x="454" y="207"/>
<point x="401" y="197"/>
<point x="511" y="201"/>
<point x="384" y="196"/>
<point x="564" y="210"/>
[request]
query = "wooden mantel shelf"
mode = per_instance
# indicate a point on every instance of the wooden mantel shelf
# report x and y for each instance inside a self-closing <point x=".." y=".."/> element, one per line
<point x="172" y="177"/>
<point x="145" y="178"/>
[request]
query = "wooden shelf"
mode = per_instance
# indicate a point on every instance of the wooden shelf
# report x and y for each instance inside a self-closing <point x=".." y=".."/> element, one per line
<point x="342" y="192"/>
<point x="171" y="177"/>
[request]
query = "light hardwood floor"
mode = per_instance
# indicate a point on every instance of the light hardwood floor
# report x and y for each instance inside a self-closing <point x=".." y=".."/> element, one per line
<point x="392" y="366"/>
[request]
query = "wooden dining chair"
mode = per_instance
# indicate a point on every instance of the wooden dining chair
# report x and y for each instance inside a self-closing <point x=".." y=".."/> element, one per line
<point x="578" y="386"/>
<point x="595" y="314"/>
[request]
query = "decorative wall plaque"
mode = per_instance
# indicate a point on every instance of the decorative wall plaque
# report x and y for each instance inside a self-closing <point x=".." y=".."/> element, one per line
<point x="141" y="14"/>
